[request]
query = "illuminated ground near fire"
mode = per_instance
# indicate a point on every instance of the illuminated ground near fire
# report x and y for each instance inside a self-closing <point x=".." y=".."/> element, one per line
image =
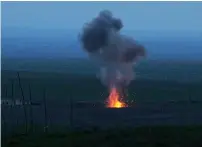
<point x="156" y="102"/>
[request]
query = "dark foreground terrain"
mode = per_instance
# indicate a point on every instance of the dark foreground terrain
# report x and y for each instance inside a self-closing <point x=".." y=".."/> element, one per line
<point x="54" y="102"/>
<point x="171" y="100"/>
<point x="67" y="99"/>
<point x="157" y="136"/>
<point x="143" y="114"/>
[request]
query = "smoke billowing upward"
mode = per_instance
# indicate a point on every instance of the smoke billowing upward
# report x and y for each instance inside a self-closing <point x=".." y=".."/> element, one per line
<point x="114" y="53"/>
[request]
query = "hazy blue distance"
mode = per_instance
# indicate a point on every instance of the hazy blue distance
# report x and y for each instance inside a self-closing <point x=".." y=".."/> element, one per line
<point x="50" y="29"/>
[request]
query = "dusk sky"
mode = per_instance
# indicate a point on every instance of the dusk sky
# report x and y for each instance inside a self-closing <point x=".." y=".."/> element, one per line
<point x="72" y="15"/>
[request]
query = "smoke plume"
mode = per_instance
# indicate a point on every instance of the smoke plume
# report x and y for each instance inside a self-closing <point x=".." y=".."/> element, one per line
<point x="114" y="53"/>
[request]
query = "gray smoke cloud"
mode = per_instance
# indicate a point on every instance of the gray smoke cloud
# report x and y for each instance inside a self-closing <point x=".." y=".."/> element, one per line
<point x="114" y="52"/>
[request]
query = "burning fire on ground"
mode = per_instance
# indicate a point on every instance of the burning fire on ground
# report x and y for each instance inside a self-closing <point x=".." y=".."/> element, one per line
<point x="114" y="100"/>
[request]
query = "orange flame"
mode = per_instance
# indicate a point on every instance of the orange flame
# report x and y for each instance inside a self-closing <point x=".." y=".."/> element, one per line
<point x="114" y="100"/>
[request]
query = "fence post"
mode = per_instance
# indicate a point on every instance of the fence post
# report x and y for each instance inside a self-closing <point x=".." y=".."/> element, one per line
<point x="6" y="92"/>
<point x="45" y="111"/>
<point x="23" y="101"/>
<point x="31" y="110"/>
<point x="13" y="103"/>
<point x="12" y="92"/>
<point x="71" y="113"/>
<point x="4" y="127"/>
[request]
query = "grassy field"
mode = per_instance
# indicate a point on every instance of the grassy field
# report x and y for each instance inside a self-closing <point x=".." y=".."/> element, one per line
<point x="157" y="136"/>
<point x="156" y="82"/>
<point x="176" y="70"/>
<point x="61" y="86"/>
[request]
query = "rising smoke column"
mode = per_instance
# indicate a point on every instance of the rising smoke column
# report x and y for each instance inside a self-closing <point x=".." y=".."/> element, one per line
<point x="113" y="52"/>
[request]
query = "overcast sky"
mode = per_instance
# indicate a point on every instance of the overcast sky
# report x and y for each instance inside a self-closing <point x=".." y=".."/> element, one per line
<point x="72" y="15"/>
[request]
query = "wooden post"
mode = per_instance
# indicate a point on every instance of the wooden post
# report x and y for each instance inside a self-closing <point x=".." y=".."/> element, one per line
<point x="71" y="119"/>
<point x="6" y="92"/>
<point x="31" y="110"/>
<point x="12" y="93"/>
<point x="23" y="101"/>
<point x="13" y="103"/>
<point x="71" y="113"/>
<point x="4" y="127"/>
<point x="45" y="111"/>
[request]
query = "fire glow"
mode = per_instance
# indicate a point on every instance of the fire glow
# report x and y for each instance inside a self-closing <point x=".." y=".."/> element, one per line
<point x="114" y="100"/>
